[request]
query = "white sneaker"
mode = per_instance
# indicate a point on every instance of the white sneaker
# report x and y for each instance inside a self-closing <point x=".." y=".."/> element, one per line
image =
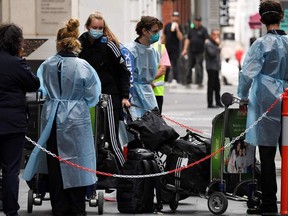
<point x="173" y="84"/>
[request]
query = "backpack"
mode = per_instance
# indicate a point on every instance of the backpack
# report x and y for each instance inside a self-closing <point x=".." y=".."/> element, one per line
<point x="136" y="195"/>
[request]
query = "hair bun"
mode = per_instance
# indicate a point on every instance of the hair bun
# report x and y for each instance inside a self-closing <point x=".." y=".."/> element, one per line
<point x="72" y="24"/>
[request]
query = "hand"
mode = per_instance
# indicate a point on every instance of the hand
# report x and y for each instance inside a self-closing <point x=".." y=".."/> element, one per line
<point x="243" y="105"/>
<point x="243" y="108"/>
<point x="177" y="26"/>
<point x="125" y="103"/>
<point x="217" y="40"/>
<point x="184" y="52"/>
<point x="20" y="52"/>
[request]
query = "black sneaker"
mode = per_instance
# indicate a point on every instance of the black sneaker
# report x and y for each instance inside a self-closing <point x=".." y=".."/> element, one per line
<point x="254" y="211"/>
<point x="259" y="211"/>
<point x="219" y="105"/>
<point x="211" y="106"/>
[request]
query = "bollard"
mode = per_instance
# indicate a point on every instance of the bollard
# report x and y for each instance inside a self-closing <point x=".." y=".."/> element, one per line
<point x="284" y="166"/>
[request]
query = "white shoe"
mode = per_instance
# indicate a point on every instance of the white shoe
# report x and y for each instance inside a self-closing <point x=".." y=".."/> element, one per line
<point x="173" y="84"/>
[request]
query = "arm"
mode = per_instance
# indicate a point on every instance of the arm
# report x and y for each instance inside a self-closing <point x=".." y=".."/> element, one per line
<point x="179" y="32"/>
<point x="163" y="65"/>
<point x="124" y="73"/>
<point x="210" y="49"/>
<point x="186" y="45"/>
<point x="92" y="85"/>
<point x="252" y="66"/>
<point x="25" y="76"/>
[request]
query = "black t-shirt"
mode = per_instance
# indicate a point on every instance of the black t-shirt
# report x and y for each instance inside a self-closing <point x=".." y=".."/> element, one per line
<point x="197" y="39"/>
<point x="172" y="41"/>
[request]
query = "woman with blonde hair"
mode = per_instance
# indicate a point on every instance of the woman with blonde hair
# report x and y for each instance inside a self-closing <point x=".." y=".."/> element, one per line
<point x="71" y="86"/>
<point x="101" y="49"/>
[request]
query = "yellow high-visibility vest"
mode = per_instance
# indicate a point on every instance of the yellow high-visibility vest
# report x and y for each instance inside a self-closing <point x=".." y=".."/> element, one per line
<point x="159" y="90"/>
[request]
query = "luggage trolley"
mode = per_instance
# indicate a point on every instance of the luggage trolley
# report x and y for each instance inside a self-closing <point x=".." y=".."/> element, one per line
<point x="38" y="185"/>
<point x="232" y="171"/>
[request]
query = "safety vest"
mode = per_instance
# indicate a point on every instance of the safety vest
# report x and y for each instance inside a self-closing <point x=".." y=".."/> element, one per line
<point x="159" y="89"/>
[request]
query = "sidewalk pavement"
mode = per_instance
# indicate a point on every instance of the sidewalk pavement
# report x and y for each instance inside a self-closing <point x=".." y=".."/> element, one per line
<point x="191" y="206"/>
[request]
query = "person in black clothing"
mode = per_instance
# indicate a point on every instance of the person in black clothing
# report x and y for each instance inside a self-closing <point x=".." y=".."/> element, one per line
<point x="16" y="79"/>
<point x="195" y="43"/>
<point x="101" y="49"/>
<point x="213" y="66"/>
<point x="172" y="36"/>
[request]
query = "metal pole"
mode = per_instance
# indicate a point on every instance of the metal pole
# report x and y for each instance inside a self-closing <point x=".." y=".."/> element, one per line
<point x="284" y="169"/>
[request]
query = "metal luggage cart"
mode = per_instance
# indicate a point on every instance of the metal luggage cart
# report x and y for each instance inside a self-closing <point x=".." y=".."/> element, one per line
<point x="38" y="185"/>
<point x="232" y="171"/>
<point x="182" y="184"/>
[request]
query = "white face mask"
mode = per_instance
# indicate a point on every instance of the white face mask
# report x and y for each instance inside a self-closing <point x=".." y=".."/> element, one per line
<point x="95" y="33"/>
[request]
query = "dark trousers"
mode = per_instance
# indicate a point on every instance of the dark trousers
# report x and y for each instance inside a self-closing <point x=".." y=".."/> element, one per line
<point x="160" y="100"/>
<point x="112" y="128"/>
<point x="11" y="148"/>
<point x="64" y="202"/>
<point x="213" y="86"/>
<point x="268" y="178"/>
<point x="195" y="60"/>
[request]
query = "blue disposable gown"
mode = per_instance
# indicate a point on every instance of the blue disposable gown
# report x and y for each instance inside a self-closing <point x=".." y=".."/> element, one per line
<point x="262" y="80"/>
<point x="70" y="109"/>
<point x="146" y="60"/>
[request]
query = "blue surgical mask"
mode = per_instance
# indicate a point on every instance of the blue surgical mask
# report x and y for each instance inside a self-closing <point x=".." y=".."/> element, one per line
<point x="96" y="33"/>
<point x="154" y="38"/>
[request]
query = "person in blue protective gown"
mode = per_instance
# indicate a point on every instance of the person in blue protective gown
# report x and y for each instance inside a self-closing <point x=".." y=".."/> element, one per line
<point x="146" y="61"/>
<point x="71" y="85"/>
<point x="263" y="79"/>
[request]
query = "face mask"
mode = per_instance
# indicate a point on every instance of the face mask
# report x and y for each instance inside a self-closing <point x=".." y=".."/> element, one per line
<point x="96" y="33"/>
<point x="154" y="38"/>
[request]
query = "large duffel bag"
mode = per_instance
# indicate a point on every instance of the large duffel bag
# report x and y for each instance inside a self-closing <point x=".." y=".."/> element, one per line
<point x="136" y="195"/>
<point x="195" y="179"/>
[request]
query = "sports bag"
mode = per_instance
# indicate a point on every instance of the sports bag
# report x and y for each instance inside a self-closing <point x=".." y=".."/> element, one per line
<point x="152" y="130"/>
<point x="136" y="195"/>
<point x="194" y="180"/>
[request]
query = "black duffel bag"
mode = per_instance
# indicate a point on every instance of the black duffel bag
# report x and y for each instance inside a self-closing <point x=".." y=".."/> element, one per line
<point x="193" y="180"/>
<point x="152" y="130"/>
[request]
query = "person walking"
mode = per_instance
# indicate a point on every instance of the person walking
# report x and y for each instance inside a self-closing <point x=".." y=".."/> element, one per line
<point x="158" y="83"/>
<point x="262" y="80"/>
<point x="172" y="37"/>
<point x="16" y="79"/>
<point x="71" y="86"/>
<point x="101" y="49"/>
<point x="213" y="66"/>
<point x="146" y="61"/>
<point x="194" y="43"/>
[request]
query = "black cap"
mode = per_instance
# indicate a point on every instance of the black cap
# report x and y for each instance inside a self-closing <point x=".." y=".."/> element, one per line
<point x="175" y="13"/>
<point x="198" y="18"/>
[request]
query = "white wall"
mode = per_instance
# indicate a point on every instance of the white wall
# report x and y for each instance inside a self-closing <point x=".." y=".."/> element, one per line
<point x="21" y="13"/>
<point x="120" y="15"/>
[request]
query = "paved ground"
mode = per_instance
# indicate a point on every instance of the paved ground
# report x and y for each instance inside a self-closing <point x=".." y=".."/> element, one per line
<point x="189" y="206"/>
<point x="187" y="106"/>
